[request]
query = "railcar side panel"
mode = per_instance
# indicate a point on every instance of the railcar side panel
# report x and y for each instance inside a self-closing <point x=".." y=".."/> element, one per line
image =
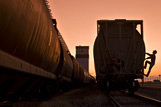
<point x="27" y="33"/>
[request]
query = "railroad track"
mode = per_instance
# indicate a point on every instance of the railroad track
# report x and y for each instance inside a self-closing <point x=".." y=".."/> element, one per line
<point x="90" y="96"/>
<point x="114" y="102"/>
<point x="122" y="99"/>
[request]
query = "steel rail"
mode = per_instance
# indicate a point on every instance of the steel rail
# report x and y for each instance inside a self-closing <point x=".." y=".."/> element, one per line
<point x="145" y="98"/>
<point x="149" y="99"/>
<point x="114" y="102"/>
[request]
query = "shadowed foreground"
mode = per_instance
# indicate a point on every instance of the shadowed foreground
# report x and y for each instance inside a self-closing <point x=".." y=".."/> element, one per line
<point x="86" y="97"/>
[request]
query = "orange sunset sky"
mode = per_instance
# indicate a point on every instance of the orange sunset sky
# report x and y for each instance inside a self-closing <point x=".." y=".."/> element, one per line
<point x="77" y="22"/>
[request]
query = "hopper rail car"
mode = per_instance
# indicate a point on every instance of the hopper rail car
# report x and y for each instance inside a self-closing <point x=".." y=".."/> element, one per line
<point x="119" y="53"/>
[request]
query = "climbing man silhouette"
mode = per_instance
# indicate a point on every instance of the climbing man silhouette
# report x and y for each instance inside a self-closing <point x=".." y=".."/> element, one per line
<point x="152" y="63"/>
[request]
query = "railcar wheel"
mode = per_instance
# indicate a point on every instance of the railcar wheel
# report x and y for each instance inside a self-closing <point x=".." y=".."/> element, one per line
<point x="108" y="86"/>
<point x="131" y="87"/>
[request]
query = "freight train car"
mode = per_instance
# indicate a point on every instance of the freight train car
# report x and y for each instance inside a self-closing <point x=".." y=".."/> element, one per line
<point x="80" y="75"/>
<point x="119" y="54"/>
<point x="34" y="59"/>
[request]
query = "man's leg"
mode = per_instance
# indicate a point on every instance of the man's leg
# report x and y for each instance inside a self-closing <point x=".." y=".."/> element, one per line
<point x="146" y="64"/>
<point x="149" y="70"/>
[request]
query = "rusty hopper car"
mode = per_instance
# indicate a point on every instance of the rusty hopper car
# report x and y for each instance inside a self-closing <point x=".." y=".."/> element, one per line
<point x="119" y="53"/>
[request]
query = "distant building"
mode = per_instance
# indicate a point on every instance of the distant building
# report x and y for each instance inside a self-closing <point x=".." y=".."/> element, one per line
<point x="156" y="81"/>
<point x="82" y="56"/>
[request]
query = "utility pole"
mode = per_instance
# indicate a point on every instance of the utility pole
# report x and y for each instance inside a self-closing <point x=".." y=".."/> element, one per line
<point x="159" y="78"/>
